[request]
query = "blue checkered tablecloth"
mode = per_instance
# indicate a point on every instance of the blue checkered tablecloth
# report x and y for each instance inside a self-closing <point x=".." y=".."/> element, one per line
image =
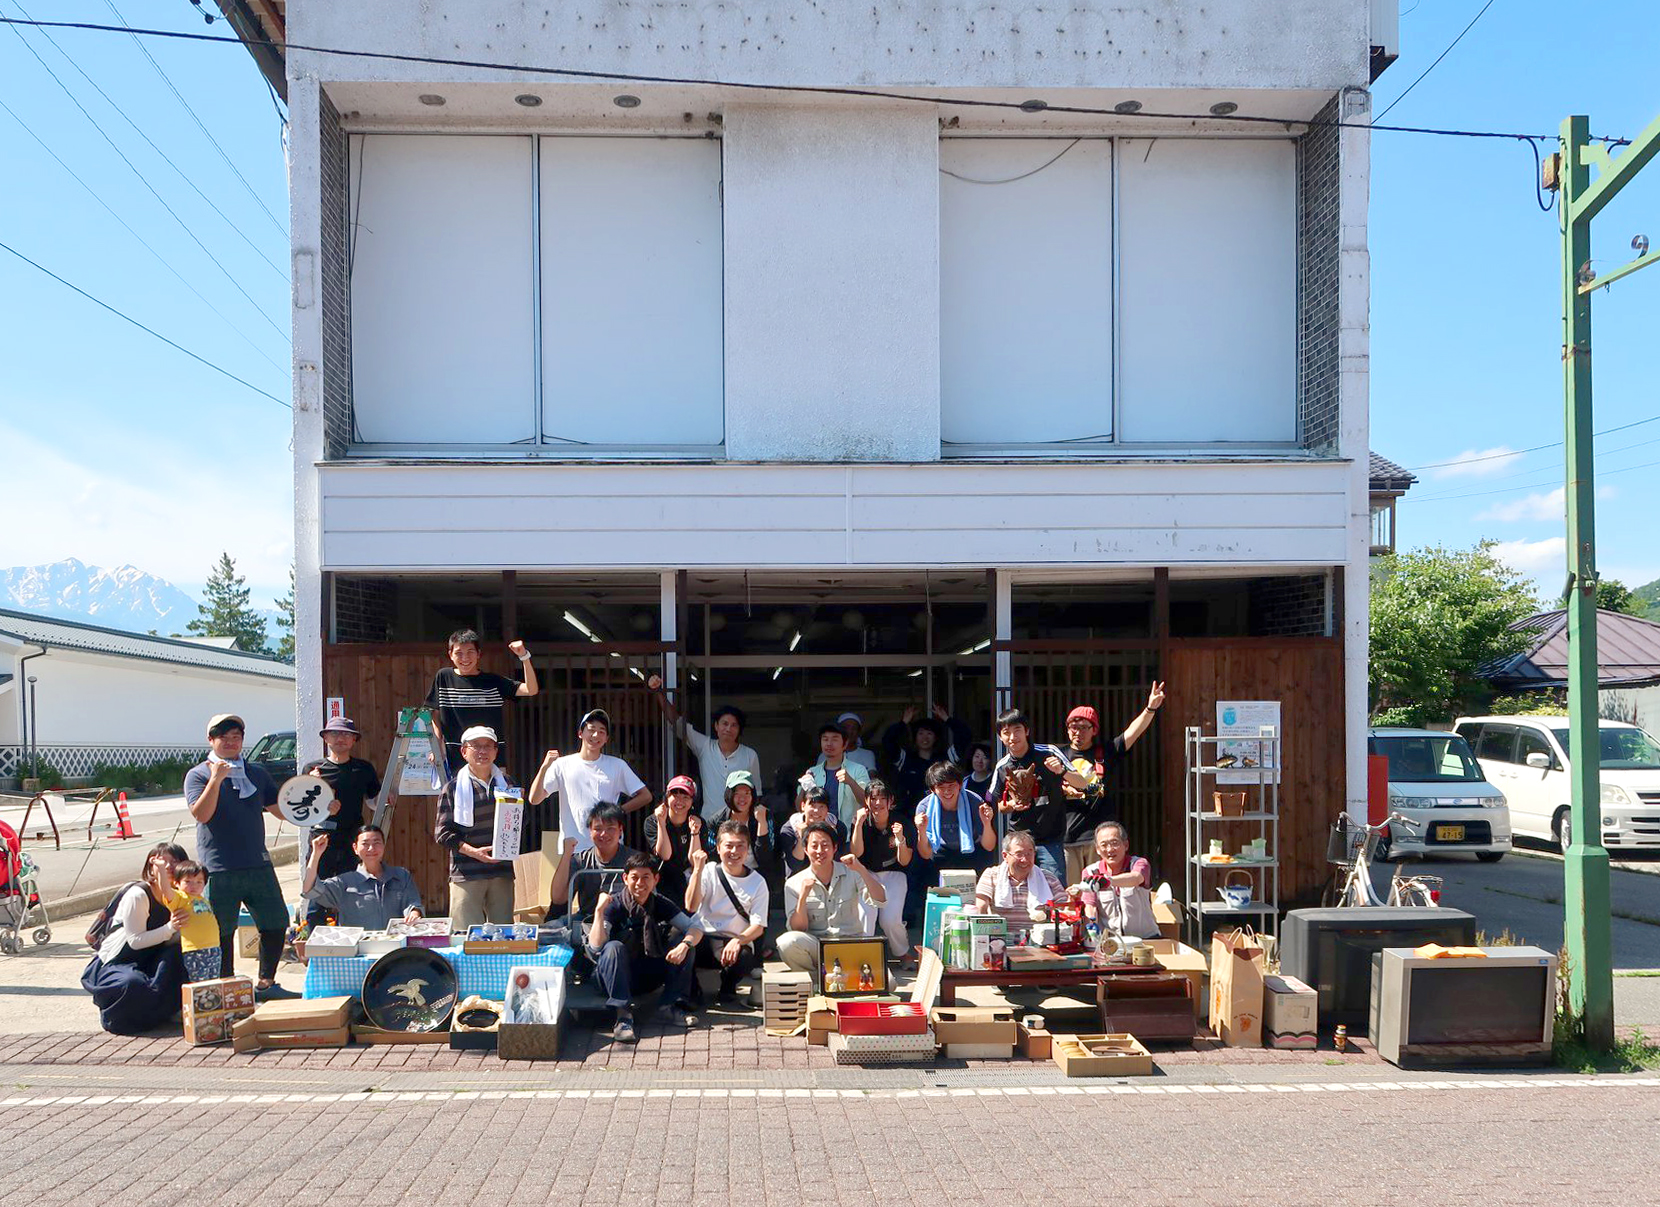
<point x="483" y="976"/>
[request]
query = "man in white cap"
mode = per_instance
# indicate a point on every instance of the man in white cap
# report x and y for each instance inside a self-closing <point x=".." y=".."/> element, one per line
<point x="852" y="726"/>
<point x="481" y="886"/>
<point x="587" y="778"/>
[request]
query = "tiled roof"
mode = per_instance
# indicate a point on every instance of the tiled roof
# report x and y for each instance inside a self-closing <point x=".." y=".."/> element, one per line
<point x="1628" y="652"/>
<point x="75" y="635"/>
<point x="1387" y="476"/>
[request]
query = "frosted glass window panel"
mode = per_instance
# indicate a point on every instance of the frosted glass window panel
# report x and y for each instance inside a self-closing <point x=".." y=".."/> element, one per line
<point x="1025" y="291"/>
<point x="1208" y="332"/>
<point x="443" y="302"/>
<point x="632" y="319"/>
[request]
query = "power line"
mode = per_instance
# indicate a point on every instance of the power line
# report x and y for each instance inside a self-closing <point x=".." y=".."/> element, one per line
<point x="165" y="263"/>
<point x="147" y="330"/>
<point x="1537" y="448"/>
<point x="1608" y="473"/>
<point x="182" y="174"/>
<point x="104" y="134"/>
<point x="206" y="133"/>
<point x="1437" y="62"/>
<point x="751" y="86"/>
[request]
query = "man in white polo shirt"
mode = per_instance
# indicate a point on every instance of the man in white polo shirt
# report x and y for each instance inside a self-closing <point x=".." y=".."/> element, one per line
<point x="587" y="778"/>
<point x="730" y="904"/>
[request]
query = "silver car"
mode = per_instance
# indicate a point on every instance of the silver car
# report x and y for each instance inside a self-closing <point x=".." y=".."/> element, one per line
<point x="1437" y="785"/>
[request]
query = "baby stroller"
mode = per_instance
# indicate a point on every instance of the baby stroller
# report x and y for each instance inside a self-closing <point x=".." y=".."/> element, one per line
<point x="20" y="905"/>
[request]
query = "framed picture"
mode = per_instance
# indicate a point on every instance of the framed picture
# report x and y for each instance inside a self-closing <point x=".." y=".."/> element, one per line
<point x="850" y="967"/>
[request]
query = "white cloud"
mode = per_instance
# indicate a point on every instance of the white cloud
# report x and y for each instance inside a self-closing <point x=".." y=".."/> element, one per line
<point x="165" y="506"/>
<point x="1478" y="462"/>
<point x="1533" y="557"/>
<point x="1548" y="505"/>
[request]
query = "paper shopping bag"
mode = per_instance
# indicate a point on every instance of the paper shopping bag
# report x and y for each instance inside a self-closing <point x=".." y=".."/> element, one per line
<point x="1237" y="966"/>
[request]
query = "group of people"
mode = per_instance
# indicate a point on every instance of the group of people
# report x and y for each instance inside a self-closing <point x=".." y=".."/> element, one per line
<point x="852" y="851"/>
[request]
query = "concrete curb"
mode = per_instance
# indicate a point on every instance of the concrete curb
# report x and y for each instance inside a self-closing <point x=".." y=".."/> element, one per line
<point x="91" y="900"/>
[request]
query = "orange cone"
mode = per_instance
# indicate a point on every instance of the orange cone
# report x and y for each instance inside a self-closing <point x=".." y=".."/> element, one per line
<point x="123" y="820"/>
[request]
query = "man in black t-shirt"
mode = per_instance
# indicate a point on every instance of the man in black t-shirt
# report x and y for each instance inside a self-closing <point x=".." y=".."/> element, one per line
<point x="463" y="696"/>
<point x="1095" y="761"/>
<point x="355" y="782"/>
<point x="1028" y="787"/>
<point x="632" y="942"/>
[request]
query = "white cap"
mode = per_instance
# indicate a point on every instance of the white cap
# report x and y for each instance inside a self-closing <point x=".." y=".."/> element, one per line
<point x="479" y="731"/>
<point x="850" y="716"/>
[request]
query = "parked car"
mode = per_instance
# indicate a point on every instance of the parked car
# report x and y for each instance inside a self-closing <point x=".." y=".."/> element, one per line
<point x="1437" y="785"/>
<point x="275" y="752"/>
<point x="1527" y="757"/>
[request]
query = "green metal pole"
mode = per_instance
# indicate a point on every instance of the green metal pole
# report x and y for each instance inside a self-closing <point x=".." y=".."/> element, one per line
<point x="1585" y="897"/>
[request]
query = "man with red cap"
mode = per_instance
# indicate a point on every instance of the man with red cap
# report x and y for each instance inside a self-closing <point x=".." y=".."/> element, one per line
<point x="673" y="831"/>
<point x="1084" y="753"/>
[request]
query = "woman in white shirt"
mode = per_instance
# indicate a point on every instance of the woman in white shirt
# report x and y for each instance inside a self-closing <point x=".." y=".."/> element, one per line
<point x="134" y="978"/>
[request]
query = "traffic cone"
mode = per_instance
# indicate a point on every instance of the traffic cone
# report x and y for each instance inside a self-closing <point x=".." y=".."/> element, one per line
<point x="124" y="821"/>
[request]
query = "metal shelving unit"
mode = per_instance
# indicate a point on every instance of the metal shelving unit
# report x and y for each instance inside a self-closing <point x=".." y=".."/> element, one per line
<point x="1202" y="904"/>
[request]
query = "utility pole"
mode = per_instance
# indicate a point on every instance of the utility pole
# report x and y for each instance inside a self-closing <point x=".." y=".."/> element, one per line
<point x="1586" y="894"/>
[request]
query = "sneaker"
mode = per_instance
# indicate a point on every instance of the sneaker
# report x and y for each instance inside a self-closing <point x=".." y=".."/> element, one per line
<point x="683" y="1014"/>
<point x="729" y="1000"/>
<point x="623" y="1031"/>
<point x="274" y="993"/>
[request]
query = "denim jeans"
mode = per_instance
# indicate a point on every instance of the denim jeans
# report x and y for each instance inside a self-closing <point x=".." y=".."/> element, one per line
<point x="1051" y="857"/>
<point x="622" y="976"/>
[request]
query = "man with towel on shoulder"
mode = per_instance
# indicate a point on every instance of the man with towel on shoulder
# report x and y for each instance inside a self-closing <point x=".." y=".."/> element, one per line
<point x="481" y="886"/>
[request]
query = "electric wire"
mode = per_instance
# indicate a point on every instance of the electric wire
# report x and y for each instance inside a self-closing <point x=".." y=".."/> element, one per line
<point x="104" y="134"/>
<point x="1433" y="65"/>
<point x="1606" y="473"/>
<point x="1537" y="448"/>
<point x="1011" y="179"/>
<point x="182" y="174"/>
<point x="1543" y="475"/>
<point x="145" y="243"/>
<point x="147" y="330"/>
<point x="206" y="133"/>
<point x="753" y="86"/>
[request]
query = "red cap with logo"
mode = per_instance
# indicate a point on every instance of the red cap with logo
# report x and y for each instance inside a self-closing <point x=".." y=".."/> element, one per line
<point x="682" y="783"/>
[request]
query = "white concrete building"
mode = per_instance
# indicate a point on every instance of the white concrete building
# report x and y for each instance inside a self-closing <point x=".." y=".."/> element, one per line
<point x="918" y="351"/>
<point x="81" y="694"/>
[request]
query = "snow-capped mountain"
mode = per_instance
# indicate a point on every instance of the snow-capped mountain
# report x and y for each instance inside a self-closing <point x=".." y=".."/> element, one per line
<point x="123" y="598"/>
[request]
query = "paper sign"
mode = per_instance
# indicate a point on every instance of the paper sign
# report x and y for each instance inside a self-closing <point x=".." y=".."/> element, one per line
<point x="510" y="820"/>
<point x="336" y="707"/>
<point x="420" y="775"/>
<point x="1254" y="761"/>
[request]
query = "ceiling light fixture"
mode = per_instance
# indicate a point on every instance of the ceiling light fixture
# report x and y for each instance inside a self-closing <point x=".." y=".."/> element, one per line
<point x="1033" y="106"/>
<point x="1127" y="107"/>
<point x="795" y="641"/>
<point x="626" y="101"/>
<point x="1223" y="109"/>
<point x="572" y="620"/>
<point x="528" y="99"/>
<point x="430" y="98"/>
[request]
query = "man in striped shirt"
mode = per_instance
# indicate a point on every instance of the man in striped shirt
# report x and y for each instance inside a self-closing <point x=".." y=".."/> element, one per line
<point x="463" y="696"/>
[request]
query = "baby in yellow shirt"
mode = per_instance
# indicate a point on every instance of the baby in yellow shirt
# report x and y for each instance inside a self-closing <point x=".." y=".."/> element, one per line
<point x="200" y="936"/>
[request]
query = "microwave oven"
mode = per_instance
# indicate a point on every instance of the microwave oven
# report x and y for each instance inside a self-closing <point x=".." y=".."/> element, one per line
<point x="1495" y="1009"/>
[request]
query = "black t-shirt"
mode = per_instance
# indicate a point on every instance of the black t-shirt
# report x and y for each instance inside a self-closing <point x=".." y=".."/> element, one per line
<point x="1096" y="765"/>
<point x="463" y="701"/>
<point x="628" y="926"/>
<point x="354" y="782"/>
<point x="674" y="870"/>
<point x="880" y="855"/>
<point x="1046" y="819"/>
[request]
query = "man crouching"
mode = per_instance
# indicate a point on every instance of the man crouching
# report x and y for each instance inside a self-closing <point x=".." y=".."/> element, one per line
<point x="629" y="943"/>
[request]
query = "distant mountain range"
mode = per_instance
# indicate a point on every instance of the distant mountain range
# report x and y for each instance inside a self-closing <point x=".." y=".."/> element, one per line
<point x="123" y="598"/>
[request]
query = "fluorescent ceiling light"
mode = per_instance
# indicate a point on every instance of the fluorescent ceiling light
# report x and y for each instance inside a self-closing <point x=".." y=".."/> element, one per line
<point x="795" y="641"/>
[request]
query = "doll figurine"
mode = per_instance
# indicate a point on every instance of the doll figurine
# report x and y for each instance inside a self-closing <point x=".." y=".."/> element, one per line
<point x="867" y="982"/>
<point x="835" y="980"/>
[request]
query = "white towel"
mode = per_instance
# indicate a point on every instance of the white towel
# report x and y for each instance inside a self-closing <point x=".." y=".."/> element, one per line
<point x="1037" y="888"/>
<point x="464" y="793"/>
<point x="240" y="779"/>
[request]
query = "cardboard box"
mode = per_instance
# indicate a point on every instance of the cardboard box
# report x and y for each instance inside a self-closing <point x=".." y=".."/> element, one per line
<point x="1164" y="913"/>
<point x="1101" y="1056"/>
<point x="818" y="1037"/>
<point x="366" y="1034"/>
<point x="247" y="942"/>
<point x="528" y="1041"/>
<point x="224" y="993"/>
<point x="1034" y="1043"/>
<point x="335" y="1037"/>
<point x="1290" y="1014"/>
<point x="881" y="1049"/>
<point x="212" y="1026"/>
<point x="378" y="943"/>
<point x="304" y="1014"/>
<point x="960" y="1025"/>
<point x="333" y="941"/>
<point x="1175" y="956"/>
<point x="821" y="1014"/>
<point x="979" y="1051"/>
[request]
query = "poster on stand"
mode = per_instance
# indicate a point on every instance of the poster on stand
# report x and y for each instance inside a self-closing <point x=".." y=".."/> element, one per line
<point x="1244" y="759"/>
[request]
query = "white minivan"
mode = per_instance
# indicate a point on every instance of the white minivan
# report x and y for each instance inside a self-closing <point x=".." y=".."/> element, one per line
<point x="1436" y="784"/>
<point x="1527" y="757"/>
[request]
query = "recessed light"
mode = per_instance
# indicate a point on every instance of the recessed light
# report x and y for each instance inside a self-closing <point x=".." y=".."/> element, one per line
<point x="1223" y="109"/>
<point x="528" y="99"/>
<point x="430" y="98"/>
<point x="1033" y="106"/>
<point x="625" y="101"/>
<point x="1127" y="107"/>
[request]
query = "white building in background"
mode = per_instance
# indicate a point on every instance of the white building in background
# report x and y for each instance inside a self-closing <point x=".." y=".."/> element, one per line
<point x="105" y="695"/>
<point x="1043" y="342"/>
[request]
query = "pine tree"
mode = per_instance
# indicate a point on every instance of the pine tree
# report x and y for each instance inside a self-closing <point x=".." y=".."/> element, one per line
<point x="285" y="620"/>
<point x="225" y="611"/>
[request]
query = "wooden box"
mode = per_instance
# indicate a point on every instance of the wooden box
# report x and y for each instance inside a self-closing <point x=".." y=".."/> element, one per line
<point x="1102" y="1056"/>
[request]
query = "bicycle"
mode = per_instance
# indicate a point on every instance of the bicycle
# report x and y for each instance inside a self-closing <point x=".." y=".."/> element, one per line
<point x="1350" y="850"/>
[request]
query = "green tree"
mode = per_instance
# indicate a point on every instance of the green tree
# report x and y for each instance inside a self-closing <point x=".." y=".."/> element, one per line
<point x="1612" y="596"/>
<point x="1438" y="615"/>
<point x="285" y="620"/>
<point x="225" y="611"/>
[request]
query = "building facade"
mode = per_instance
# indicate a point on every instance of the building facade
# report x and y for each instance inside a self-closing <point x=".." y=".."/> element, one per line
<point x="838" y="357"/>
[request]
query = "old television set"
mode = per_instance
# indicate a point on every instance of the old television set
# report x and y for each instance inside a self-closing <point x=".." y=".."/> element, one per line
<point x="1331" y="950"/>
<point x="1499" y="1008"/>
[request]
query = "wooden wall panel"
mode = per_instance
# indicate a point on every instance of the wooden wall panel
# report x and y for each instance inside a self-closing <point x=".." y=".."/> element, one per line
<point x="1306" y="676"/>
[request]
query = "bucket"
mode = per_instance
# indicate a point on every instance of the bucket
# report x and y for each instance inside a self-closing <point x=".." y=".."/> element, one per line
<point x="1235" y="895"/>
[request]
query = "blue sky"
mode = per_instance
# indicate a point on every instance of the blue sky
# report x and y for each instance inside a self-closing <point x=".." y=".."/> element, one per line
<point x="122" y="450"/>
